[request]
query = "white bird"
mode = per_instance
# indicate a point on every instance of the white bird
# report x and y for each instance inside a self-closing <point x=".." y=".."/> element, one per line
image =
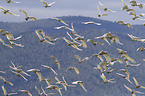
<point x="81" y="84"/>
<point x="59" y="20"/>
<point x="91" y="22"/>
<point x="47" y="5"/>
<point x="5" y="92"/>
<point x="50" y="68"/>
<point x="10" y="1"/>
<point x="26" y="92"/>
<point x="5" y="11"/>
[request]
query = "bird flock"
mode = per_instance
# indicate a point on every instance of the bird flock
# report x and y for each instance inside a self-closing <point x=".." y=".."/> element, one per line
<point x="77" y="42"/>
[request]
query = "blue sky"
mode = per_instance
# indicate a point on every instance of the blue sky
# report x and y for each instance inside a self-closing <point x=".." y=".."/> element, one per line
<point x="68" y="8"/>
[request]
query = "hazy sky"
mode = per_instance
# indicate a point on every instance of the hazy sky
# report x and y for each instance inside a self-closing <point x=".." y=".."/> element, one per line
<point x="68" y="8"/>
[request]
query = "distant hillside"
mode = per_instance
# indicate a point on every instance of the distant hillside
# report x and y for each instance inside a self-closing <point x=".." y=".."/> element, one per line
<point x="34" y="54"/>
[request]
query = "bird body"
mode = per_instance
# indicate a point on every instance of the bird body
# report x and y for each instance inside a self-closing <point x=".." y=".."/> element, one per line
<point x="26" y="16"/>
<point x="73" y="68"/>
<point x="47" y="5"/>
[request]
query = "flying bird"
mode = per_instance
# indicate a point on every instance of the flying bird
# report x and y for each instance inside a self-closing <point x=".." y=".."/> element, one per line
<point x="73" y="68"/>
<point x="81" y="84"/>
<point x="81" y="60"/>
<point x="132" y="91"/>
<point x="141" y="49"/>
<point x="106" y="80"/>
<point x="26" y="92"/>
<point x="95" y="43"/>
<point x="122" y="23"/>
<point x="124" y="76"/>
<point x="106" y="9"/>
<point x="5" y="11"/>
<point x="50" y="68"/>
<point x="137" y="84"/>
<point x="91" y="22"/>
<point x="134" y="3"/>
<point x="82" y="40"/>
<point x="134" y="38"/>
<point x="43" y="39"/>
<point x="100" y="15"/>
<point x="46" y="80"/>
<point x="5" y="81"/>
<point x="47" y="5"/>
<point x="10" y="1"/>
<point x="19" y="75"/>
<point x="56" y="62"/>
<point x="124" y="6"/>
<point x="17" y="69"/>
<point x="54" y="87"/>
<point x="59" y="20"/>
<point x="5" y="44"/>
<point x="26" y="16"/>
<point x="45" y="92"/>
<point x="51" y="39"/>
<point x="39" y="94"/>
<point x="37" y="71"/>
<point x="73" y="44"/>
<point x="5" y="92"/>
<point x="10" y="37"/>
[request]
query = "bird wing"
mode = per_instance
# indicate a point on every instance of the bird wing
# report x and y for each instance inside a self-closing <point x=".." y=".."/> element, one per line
<point x="24" y="12"/>
<point x="54" y="71"/>
<point x="103" y="77"/>
<point x="77" y="71"/>
<point x="13" y="14"/>
<point x="10" y="83"/>
<point x="18" y="37"/>
<point x="106" y="40"/>
<point x="128" y="88"/>
<point x="83" y="86"/>
<point x="56" y="79"/>
<point x="33" y="18"/>
<point x="4" y="90"/>
<point x="63" y="22"/>
<point x="102" y="5"/>
<point x="136" y="82"/>
<point x="40" y="37"/>
<point x="51" y="4"/>
<point x="37" y="90"/>
<point x="39" y="76"/>
<point x="23" y="77"/>
<point x="44" y="2"/>
<point x="49" y="42"/>
<point x="58" y="89"/>
<point x="84" y="43"/>
<point x="50" y="38"/>
<point x="9" y="36"/>
<point x="78" y="57"/>
<point x="2" y="8"/>
<point x="2" y="41"/>
<point x="138" y="92"/>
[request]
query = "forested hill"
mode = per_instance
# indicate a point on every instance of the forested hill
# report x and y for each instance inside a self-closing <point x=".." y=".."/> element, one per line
<point x="35" y="53"/>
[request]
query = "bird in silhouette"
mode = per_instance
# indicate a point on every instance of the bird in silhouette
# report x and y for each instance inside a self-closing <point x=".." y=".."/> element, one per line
<point x="26" y="92"/>
<point x="56" y="62"/>
<point x="106" y="80"/>
<point x="132" y="91"/>
<point x="17" y="69"/>
<point x="10" y="1"/>
<point x="50" y="68"/>
<point x="5" y="11"/>
<point x="19" y="75"/>
<point x="122" y="23"/>
<point x="137" y="84"/>
<point x="81" y="60"/>
<point x="60" y="20"/>
<point x="5" y="92"/>
<point x="106" y="9"/>
<point x="54" y="87"/>
<point x="26" y="16"/>
<point x="99" y="13"/>
<point x="5" y="44"/>
<point x="37" y="71"/>
<point x="73" y="68"/>
<point x="81" y="84"/>
<point x="91" y="22"/>
<point x="5" y="81"/>
<point x="47" y="5"/>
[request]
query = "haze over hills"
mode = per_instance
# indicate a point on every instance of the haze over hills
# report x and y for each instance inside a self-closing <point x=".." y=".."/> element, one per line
<point x="35" y="53"/>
